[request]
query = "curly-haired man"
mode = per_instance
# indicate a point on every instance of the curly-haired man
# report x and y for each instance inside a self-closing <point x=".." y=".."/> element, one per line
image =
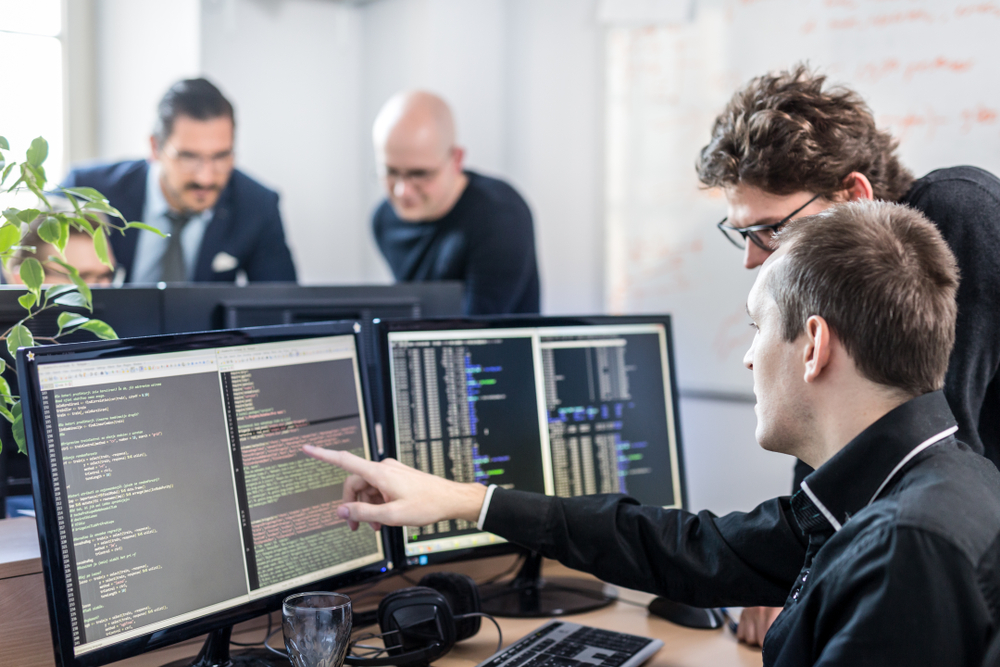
<point x="789" y="145"/>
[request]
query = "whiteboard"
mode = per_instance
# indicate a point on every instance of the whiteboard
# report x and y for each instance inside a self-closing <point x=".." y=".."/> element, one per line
<point x="930" y="70"/>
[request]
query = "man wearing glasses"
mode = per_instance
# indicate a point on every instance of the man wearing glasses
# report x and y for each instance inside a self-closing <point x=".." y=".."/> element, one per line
<point x="785" y="147"/>
<point x="221" y="222"/>
<point x="440" y="222"/>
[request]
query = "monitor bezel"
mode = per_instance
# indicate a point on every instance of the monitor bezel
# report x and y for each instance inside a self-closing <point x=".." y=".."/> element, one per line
<point x="44" y="496"/>
<point x="385" y="327"/>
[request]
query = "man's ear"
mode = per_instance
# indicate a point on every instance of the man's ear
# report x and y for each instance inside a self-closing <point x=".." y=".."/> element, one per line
<point x="154" y="147"/>
<point x="857" y="187"/>
<point x="458" y="155"/>
<point x="816" y="354"/>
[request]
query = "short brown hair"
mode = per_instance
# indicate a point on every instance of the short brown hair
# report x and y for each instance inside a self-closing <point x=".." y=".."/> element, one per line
<point x="884" y="279"/>
<point x="783" y="133"/>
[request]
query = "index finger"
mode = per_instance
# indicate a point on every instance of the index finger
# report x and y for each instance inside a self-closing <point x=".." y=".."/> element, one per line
<point x="349" y="462"/>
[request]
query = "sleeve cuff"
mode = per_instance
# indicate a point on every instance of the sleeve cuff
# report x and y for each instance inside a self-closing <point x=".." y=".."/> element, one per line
<point x="486" y="505"/>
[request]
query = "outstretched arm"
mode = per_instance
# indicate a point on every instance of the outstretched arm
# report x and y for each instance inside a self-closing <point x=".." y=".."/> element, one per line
<point x="397" y="495"/>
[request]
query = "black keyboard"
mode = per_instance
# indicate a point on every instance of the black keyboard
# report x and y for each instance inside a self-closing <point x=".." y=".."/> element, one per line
<point x="563" y="644"/>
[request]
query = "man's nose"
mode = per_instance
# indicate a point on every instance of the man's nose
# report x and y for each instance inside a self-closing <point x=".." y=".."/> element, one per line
<point x="753" y="256"/>
<point x="401" y="188"/>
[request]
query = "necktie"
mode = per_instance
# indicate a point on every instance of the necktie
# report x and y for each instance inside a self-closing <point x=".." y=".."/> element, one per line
<point x="172" y="267"/>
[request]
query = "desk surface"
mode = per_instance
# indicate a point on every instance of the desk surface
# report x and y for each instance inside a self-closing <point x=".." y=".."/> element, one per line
<point x="19" y="563"/>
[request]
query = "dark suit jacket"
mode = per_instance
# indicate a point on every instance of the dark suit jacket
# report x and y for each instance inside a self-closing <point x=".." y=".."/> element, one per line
<point x="246" y="223"/>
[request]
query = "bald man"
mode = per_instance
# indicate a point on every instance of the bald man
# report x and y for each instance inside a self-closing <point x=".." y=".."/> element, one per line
<point x="442" y="222"/>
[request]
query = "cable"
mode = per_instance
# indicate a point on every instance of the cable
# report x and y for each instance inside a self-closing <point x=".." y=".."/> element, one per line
<point x="273" y="650"/>
<point x="493" y="620"/>
<point x="515" y="565"/>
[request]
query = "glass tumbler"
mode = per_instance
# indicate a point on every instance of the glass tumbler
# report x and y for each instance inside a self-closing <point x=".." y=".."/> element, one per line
<point x="317" y="628"/>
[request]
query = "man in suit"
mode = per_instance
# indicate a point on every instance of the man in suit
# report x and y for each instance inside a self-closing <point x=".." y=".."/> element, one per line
<point x="220" y="221"/>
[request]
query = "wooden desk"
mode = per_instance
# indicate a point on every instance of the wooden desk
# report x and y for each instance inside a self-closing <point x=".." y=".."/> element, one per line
<point x="25" y="639"/>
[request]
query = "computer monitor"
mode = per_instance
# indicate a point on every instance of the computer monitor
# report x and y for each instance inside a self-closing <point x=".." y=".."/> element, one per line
<point x="172" y="494"/>
<point x="562" y="406"/>
<point x="207" y="306"/>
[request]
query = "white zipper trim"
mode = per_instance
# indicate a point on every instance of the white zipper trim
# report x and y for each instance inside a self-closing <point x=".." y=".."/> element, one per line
<point x="916" y="450"/>
<point x="822" y="508"/>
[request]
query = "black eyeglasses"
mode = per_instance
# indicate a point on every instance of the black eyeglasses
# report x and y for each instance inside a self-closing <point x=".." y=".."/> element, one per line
<point x="760" y="235"/>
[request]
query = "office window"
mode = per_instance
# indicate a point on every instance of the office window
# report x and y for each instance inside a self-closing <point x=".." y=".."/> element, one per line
<point x="31" y="41"/>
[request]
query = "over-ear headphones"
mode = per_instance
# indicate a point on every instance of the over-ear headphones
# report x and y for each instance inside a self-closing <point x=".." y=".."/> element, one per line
<point x="420" y="624"/>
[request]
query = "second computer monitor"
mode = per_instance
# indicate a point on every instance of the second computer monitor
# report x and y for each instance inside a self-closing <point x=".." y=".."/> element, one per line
<point x="561" y="406"/>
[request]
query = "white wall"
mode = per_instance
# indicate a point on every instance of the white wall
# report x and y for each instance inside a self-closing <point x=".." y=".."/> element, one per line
<point x="292" y="71"/>
<point x="142" y="47"/>
<point x="725" y="468"/>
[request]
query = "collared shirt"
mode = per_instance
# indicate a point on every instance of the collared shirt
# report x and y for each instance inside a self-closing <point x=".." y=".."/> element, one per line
<point x="888" y="554"/>
<point x="150" y="247"/>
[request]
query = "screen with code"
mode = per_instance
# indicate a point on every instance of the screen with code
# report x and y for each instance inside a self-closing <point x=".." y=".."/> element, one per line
<point x="181" y="488"/>
<point x="562" y="410"/>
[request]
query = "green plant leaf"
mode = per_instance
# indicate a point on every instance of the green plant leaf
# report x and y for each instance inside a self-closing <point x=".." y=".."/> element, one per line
<point x="101" y="247"/>
<point x="38" y="151"/>
<point x="63" y="239"/>
<point x="148" y="228"/>
<point x="81" y="285"/>
<point x="28" y="215"/>
<point x="103" y="207"/>
<point x="6" y="172"/>
<point x="50" y="230"/>
<point x="99" y="329"/>
<point x="11" y="215"/>
<point x="19" y="336"/>
<point x="27" y="300"/>
<point x="73" y="299"/>
<point x="32" y="274"/>
<point x="70" y="320"/>
<point x="58" y="290"/>
<point x="40" y="177"/>
<point x="3" y="365"/>
<point x="6" y="414"/>
<point x="38" y="192"/>
<point x="9" y="235"/>
<point x="18" y="428"/>
<point x="90" y="194"/>
<point x="5" y="391"/>
<point x="3" y="144"/>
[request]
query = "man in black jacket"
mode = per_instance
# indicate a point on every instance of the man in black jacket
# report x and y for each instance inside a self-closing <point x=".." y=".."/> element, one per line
<point x="889" y="553"/>
<point x="788" y="145"/>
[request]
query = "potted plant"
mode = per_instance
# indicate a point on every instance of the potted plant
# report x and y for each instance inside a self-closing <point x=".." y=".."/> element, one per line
<point x="91" y="213"/>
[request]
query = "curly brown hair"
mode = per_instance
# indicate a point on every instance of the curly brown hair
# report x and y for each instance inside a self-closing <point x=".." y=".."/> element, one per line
<point x="784" y="133"/>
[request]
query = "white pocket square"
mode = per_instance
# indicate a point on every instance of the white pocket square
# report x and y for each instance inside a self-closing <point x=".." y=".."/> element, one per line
<point x="224" y="262"/>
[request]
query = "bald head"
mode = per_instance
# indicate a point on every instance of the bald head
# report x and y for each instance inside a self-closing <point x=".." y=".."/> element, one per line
<point x="414" y="139"/>
<point x="415" y="118"/>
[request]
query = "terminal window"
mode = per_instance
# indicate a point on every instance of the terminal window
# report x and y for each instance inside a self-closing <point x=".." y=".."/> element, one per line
<point x="466" y="410"/>
<point x="566" y="411"/>
<point x="180" y="484"/>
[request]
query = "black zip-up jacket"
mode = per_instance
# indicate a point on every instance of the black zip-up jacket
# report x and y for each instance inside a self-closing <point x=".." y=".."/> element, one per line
<point x="889" y="553"/>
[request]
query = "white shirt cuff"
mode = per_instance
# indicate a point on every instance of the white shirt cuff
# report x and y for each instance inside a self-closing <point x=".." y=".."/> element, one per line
<point x="486" y="505"/>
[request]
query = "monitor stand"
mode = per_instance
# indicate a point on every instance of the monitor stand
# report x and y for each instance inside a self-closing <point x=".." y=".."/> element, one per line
<point x="529" y="595"/>
<point x="215" y="653"/>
